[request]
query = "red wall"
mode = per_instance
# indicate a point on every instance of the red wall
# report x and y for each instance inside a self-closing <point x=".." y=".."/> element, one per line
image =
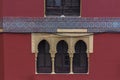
<point x="1" y="58"/>
<point x="35" y="8"/>
<point x="104" y="62"/>
<point x="0" y="8"/>
<point x="18" y="59"/>
<point x="100" y="8"/>
<point x="19" y="62"/>
<point x="27" y="8"/>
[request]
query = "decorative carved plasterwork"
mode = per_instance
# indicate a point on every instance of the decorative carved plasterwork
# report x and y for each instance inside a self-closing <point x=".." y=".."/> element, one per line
<point x="70" y="38"/>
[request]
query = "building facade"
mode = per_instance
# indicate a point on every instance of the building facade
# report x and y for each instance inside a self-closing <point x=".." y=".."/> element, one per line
<point x="59" y="40"/>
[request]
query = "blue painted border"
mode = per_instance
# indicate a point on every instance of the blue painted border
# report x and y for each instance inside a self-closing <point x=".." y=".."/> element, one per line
<point x="51" y="24"/>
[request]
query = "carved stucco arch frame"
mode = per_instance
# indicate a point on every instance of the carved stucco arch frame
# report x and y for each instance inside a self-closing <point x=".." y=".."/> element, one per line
<point x="53" y="40"/>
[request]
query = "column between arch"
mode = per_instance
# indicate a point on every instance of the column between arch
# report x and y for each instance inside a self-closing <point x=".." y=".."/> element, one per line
<point x="71" y="53"/>
<point x="53" y="52"/>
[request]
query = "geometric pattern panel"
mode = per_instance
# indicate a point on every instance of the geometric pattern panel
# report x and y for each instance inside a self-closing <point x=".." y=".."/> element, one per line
<point x="51" y="24"/>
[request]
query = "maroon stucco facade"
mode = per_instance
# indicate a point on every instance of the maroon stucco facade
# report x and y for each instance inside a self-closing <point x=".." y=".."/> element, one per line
<point x="18" y="59"/>
<point x="30" y="8"/>
<point x="100" y="8"/>
<point x="1" y="58"/>
<point x="104" y="62"/>
<point x="0" y="8"/>
<point x="18" y="63"/>
<point x="24" y="8"/>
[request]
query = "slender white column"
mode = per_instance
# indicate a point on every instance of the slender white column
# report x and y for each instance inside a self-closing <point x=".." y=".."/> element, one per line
<point x="53" y="51"/>
<point x="71" y="52"/>
<point x="71" y="65"/>
<point x="53" y="68"/>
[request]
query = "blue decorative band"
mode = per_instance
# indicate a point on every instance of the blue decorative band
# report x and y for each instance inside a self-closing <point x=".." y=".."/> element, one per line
<point x="51" y="24"/>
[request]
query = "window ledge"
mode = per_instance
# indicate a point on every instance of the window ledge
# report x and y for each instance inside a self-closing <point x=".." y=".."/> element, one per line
<point x="62" y="16"/>
<point x="63" y="73"/>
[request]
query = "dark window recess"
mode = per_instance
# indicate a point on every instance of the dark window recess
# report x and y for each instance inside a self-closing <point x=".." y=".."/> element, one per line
<point x="80" y="59"/>
<point x="62" y="60"/>
<point x="44" y="64"/>
<point x="63" y="7"/>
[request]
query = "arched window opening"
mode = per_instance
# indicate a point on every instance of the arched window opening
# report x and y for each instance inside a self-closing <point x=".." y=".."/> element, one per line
<point x="62" y="60"/>
<point x="80" y="59"/>
<point x="44" y="59"/>
<point x="63" y="7"/>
